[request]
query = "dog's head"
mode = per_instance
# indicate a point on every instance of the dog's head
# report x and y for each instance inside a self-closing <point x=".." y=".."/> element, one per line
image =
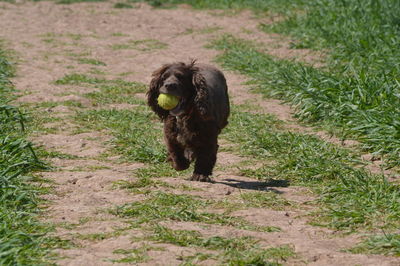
<point x="181" y="80"/>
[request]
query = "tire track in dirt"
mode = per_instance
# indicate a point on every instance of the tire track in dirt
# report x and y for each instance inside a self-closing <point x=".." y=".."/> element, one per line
<point x="46" y="36"/>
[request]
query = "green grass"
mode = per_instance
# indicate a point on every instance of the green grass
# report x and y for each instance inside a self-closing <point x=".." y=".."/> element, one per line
<point x="160" y="206"/>
<point x="368" y="113"/>
<point x="143" y="185"/>
<point x="204" y="30"/>
<point x="232" y="251"/>
<point x="357" y="94"/>
<point x="91" y="61"/>
<point x="387" y="244"/>
<point x="256" y="5"/>
<point x="111" y="91"/>
<point x="141" y="45"/>
<point x="361" y="40"/>
<point x="123" y="5"/>
<point x="351" y="198"/>
<point x="160" y="170"/>
<point x="264" y="199"/>
<point x="23" y="238"/>
<point x="134" y="136"/>
<point x="135" y="255"/>
<point x="66" y="2"/>
<point x="299" y="158"/>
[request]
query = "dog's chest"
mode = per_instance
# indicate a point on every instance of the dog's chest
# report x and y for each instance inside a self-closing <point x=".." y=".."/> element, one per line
<point x="186" y="131"/>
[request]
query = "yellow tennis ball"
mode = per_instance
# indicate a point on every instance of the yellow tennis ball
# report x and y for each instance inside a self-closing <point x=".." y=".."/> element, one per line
<point x="167" y="101"/>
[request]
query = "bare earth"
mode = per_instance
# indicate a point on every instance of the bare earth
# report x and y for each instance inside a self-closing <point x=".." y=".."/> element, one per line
<point x="83" y="191"/>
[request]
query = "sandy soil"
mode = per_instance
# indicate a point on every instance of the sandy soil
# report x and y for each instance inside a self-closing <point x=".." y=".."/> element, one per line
<point x="46" y="35"/>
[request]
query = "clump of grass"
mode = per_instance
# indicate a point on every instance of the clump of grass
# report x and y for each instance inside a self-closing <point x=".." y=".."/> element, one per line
<point x="159" y="170"/>
<point x="141" y="45"/>
<point x="23" y="239"/>
<point x="123" y="5"/>
<point x="91" y="61"/>
<point x="142" y="185"/>
<point x="67" y="2"/>
<point x="101" y="235"/>
<point x="292" y="156"/>
<point x="134" y="256"/>
<point x="165" y="206"/>
<point x="205" y="30"/>
<point x="256" y="5"/>
<point x="233" y="251"/>
<point x="111" y="91"/>
<point x="360" y="200"/>
<point x="134" y="137"/>
<point x="387" y="244"/>
<point x="264" y="199"/>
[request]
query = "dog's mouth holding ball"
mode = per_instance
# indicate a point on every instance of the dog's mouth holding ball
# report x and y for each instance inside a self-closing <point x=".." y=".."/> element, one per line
<point x="179" y="108"/>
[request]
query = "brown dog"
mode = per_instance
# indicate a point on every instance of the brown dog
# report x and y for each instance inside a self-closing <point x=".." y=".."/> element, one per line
<point x="191" y="129"/>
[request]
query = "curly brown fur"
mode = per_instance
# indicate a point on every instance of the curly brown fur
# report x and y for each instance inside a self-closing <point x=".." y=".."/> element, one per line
<point x="191" y="129"/>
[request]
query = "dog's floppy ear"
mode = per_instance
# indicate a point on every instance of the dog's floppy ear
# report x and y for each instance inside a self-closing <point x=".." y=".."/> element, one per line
<point x="153" y="92"/>
<point x="201" y="100"/>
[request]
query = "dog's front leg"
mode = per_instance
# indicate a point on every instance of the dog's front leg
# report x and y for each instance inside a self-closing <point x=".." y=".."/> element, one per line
<point x="175" y="150"/>
<point x="205" y="161"/>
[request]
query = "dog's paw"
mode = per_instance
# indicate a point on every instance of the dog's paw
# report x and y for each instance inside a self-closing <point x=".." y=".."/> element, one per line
<point x="180" y="165"/>
<point x="201" y="178"/>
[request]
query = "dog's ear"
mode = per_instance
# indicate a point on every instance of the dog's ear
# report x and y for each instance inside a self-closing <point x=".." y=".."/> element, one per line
<point x="153" y="92"/>
<point x="201" y="100"/>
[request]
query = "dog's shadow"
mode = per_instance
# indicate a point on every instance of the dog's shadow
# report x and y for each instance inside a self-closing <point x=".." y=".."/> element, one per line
<point x="256" y="185"/>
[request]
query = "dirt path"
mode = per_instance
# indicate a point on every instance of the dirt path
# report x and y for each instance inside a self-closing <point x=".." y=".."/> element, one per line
<point x="47" y="39"/>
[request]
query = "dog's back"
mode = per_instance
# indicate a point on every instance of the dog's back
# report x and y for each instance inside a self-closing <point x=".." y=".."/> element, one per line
<point x="218" y="93"/>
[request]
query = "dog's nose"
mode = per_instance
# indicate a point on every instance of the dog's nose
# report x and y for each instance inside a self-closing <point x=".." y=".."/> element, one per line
<point x="170" y="85"/>
<point x="168" y="88"/>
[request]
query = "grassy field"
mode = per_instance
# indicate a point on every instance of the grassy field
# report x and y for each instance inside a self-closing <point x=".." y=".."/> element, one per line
<point x="21" y="235"/>
<point x="356" y="94"/>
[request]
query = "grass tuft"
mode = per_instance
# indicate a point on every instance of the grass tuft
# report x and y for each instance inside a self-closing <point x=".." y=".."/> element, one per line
<point x="165" y="206"/>
<point x="23" y="238"/>
<point x="387" y="244"/>
<point x="233" y="251"/>
<point x="141" y="45"/>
